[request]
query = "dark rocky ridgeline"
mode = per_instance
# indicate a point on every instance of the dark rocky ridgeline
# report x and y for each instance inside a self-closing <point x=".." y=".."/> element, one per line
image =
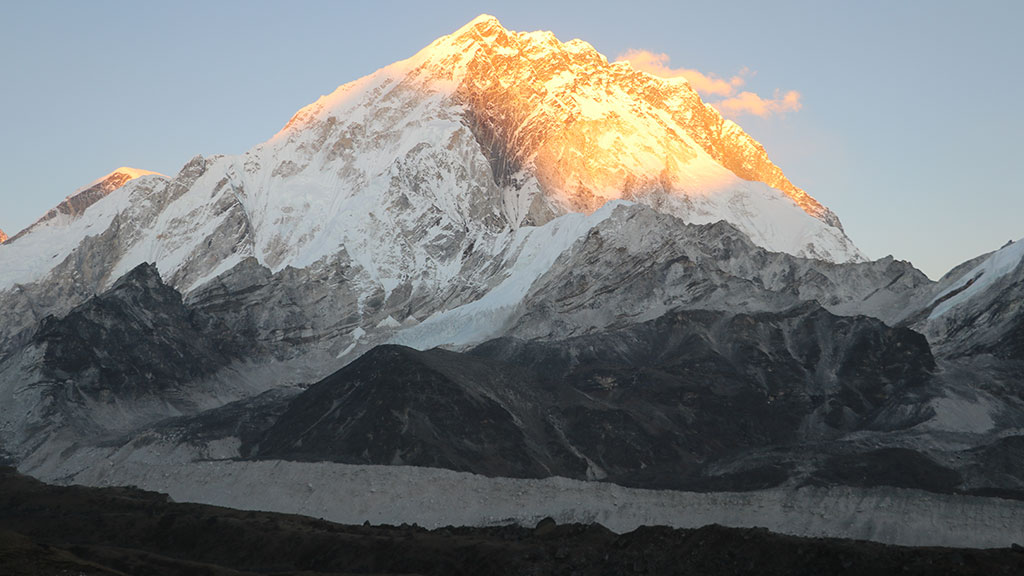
<point x="396" y="405"/>
<point x="896" y="467"/>
<point x="656" y="404"/>
<point x="136" y="338"/>
<point x="996" y="469"/>
<point x="76" y="530"/>
<point x="121" y="360"/>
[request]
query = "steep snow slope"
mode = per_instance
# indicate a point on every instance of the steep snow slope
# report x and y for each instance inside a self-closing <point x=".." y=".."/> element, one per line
<point x="416" y="190"/>
<point x="77" y="202"/>
<point x="975" y="281"/>
<point x="481" y="132"/>
<point x="33" y="253"/>
<point x="978" y="307"/>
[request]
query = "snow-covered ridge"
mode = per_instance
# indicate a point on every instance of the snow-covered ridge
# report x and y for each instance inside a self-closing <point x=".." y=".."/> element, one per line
<point x="117" y="178"/>
<point x="559" y="119"/>
<point x="76" y="203"/>
<point x="424" y="178"/>
<point x="980" y="278"/>
<point x="32" y="254"/>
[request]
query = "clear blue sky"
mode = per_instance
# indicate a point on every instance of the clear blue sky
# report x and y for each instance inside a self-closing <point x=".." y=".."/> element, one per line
<point x="909" y="129"/>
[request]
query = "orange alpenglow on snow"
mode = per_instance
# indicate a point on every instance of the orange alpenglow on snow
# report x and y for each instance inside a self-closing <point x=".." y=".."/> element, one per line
<point x="591" y="131"/>
<point x="3" y="237"/>
<point x="118" y="178"/>
<point x="622" y="132"/>
<point x="86" y="196"/>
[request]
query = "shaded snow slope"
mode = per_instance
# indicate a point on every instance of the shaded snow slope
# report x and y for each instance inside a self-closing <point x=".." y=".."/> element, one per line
<point x="978" y="279"/>
<point x="77" y="202"/>
<point x="35" y="252"/>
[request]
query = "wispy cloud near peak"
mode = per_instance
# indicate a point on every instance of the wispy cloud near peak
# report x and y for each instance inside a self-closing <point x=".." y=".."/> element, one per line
<point x="722" y="93"/>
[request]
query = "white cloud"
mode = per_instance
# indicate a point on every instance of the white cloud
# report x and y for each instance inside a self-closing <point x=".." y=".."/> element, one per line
<point x="722" y="93"/>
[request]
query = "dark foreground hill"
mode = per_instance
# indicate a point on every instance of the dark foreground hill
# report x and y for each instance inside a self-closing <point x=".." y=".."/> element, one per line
<point x="76" y="530"/>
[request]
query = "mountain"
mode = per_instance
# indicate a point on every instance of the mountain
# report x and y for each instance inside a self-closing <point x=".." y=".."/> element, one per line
<point x="3" y="237"/>
<point x="123" y="359"/>
<point x="562" y="130"/>
<point x="429" y="170"/>
<point x="75" y="204"/>
<point x="978" y="308"/>
<point x="651" y="405"/>
<point x="503" y="256"/>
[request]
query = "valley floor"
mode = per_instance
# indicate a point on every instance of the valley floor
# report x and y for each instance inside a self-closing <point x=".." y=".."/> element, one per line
<point x="354" y="494"/>
<point x="76" y="530"/>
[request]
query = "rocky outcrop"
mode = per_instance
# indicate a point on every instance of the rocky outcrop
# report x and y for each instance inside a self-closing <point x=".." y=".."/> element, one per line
<point x="656" y="404"/>
<point x="119" y="361"/>
<point x="639" y="264"/>
<point x="395" y="405"/>
<point x="700" y="332"/>
<point x="135" y="339"/>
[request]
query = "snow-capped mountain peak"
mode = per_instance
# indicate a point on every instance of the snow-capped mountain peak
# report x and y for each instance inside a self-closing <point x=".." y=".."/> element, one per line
<point x="115" y="179"/>
<point x="78" y="201"/>
<point x="563" y="130"/>
<point x="425" y="180"/>
<point x="3" y="237"/>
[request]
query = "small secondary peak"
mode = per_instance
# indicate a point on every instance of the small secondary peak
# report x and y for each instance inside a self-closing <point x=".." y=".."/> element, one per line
<point x="481" y="21"/>
<point x="114" y="180"/>
<point x="78" y="201"/>
<point x="134" y="172"/>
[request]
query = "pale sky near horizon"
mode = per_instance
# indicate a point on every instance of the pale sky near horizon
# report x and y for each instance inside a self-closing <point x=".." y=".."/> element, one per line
<point x="908" y="124"/>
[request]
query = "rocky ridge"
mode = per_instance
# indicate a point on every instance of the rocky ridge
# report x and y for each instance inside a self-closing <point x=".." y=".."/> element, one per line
<point x="417" y="175"/>
<point x="634" y="318"/>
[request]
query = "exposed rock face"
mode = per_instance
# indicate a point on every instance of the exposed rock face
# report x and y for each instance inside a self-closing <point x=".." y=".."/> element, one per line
<point x="104" y="344"/>
<point x="44" y="277"/>
<point x="395" y="405"/>
<point x="619" y="275"/>
<point x="121" y="360"/>
<point x="702" y="330"/>
<point x="652" y="405"/>
<point x="3" y="237"/>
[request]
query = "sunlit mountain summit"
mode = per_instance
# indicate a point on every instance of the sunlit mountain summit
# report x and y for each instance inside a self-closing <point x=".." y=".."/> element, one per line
<point x="506" y="256"/>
